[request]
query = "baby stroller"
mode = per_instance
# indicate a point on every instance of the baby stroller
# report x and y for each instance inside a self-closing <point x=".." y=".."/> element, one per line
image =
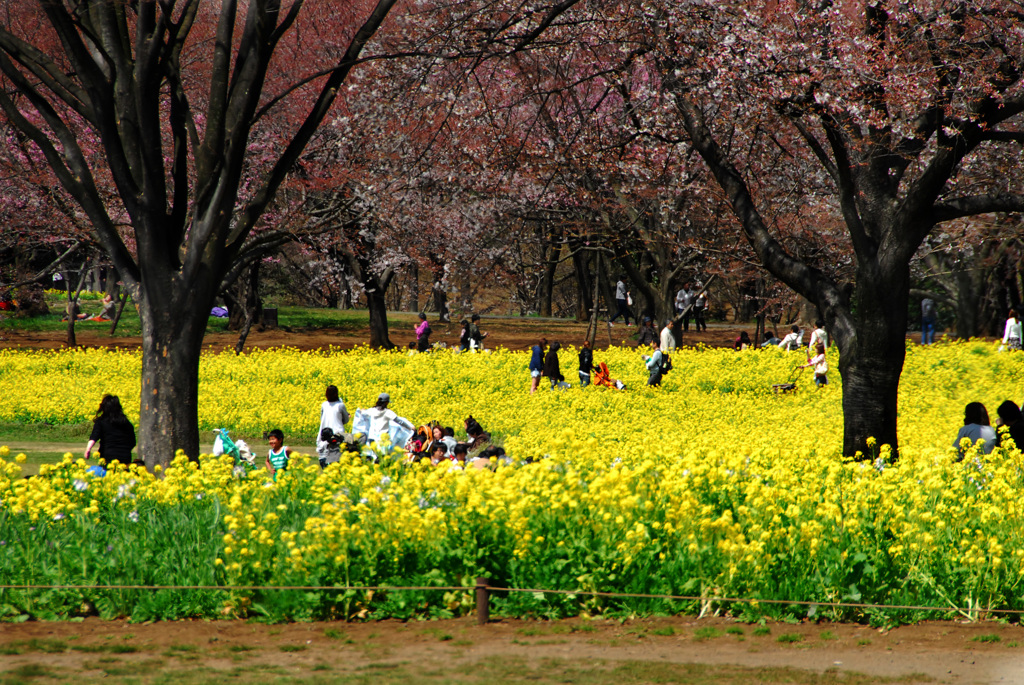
<point x="789" y="385"/>
<point x="603" y="377"/>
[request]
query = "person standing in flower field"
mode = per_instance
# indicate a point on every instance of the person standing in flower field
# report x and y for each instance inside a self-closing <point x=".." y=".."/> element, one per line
<point x="700" y="306"/>
<point x="654" y="365"/>
<point x="820" y="365"/>
<point x="586" y="363"/>
<point x="113" y="431"/>
<point x="537" y="364"/>
<point x="668" y="340"/>
<point x="817" y="335"/>
<point x="333" y="417"/>
<point x="552" y="370"/>
<point x="648" y="333"/>
<point x="277" y="458"/>
<point x="1012" y="333"/>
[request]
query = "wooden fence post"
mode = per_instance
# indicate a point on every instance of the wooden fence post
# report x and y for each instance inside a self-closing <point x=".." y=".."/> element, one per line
<point x="483" y="602"/>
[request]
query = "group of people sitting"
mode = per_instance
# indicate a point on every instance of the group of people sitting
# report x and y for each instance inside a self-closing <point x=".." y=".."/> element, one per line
<point x="108" y="310"/>
<point x="429" y="442"/>
<point x="977" y="427"/>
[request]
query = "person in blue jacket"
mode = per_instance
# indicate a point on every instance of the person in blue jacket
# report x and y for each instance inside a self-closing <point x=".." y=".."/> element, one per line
<point x="537" y="364"/>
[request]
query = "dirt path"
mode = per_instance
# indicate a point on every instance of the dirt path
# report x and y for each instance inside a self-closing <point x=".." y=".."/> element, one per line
<point x="459" y="651"/>
<point x="511" y="333"/>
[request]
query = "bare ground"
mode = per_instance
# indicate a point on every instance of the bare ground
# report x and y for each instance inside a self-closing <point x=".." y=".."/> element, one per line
<point x="511" y="333"/>
<point x="459" y="651"/>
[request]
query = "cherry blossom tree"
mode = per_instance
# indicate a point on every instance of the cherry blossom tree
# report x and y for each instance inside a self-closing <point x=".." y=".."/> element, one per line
<point x="890" y="106"/>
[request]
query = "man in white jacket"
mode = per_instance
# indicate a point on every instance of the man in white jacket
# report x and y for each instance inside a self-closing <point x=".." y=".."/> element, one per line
<point x="668" y="340"/>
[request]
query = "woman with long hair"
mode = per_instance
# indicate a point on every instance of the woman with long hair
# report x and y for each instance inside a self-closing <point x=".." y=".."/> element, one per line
<point x="976" y="427"/>
<point x="113" y="431"/>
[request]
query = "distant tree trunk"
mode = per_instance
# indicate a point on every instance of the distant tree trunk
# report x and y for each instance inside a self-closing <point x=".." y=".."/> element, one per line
<point x="413" y="301"/>
<point x="584" y="283"/>
<point x="376" y="290"/>
<point x="438" y="293"/>
<point x="549" y="256"/>
<point x="243" y="300"/>
<point x="120" y="311"/>
<point x="72" y="307"/>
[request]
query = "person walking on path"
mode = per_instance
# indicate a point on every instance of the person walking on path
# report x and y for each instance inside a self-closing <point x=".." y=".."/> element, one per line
<point x="476" y="338"/>
<point x="700" y="306"/>
<point x="927" y="321"/>
<point x="684" y="298"/>
<point x="622" y="298"/>
<point x="423" y="334"/>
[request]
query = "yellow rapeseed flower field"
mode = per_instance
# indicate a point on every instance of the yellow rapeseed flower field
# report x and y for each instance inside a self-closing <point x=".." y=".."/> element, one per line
<point x="710" y="486"/>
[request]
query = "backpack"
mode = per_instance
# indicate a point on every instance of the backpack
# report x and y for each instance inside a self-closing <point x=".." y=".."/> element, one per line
<point x="666" y="363"/>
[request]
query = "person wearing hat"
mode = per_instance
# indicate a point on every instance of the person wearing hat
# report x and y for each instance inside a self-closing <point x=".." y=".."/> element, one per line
<point x="648" y="333"/>
<point x="374" y="422"/>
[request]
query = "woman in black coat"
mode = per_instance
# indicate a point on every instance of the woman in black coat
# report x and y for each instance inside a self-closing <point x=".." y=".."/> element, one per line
<point x="551" y="367"/>
<point x="1011" y="417"/>
<point x="113" y="431"/>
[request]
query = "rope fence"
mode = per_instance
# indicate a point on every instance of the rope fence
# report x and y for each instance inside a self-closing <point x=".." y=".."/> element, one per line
<point x="483" y="591"/>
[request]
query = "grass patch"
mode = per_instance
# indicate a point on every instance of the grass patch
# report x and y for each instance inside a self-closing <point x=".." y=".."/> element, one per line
<point x="991" y="637"/>
<point x="827" y="635"/>
<point x="706" y="633"/>
<point x="293" y="648"/>
<point x="762" y="631"/>
<point x="510" y="669"/>
<point x="863" y="642"/>
<point x="240" y="648"/>
<point x="665" y="631"/>
<point x="789" y="638"/>
<point x="26" y="671"/>
<point x="734" y="630"/>
<point x="136" y="668"/>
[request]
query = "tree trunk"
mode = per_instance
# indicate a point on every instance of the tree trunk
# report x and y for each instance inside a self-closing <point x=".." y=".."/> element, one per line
<point x="172" y="338"/>
<point x="439" y="296"/>
<point x="871" y="359"/>
<point x="413" y="301"/>
<point x="580" y="262"/>
<point x="376" y="303"/>
<point x="549" y="256"/>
